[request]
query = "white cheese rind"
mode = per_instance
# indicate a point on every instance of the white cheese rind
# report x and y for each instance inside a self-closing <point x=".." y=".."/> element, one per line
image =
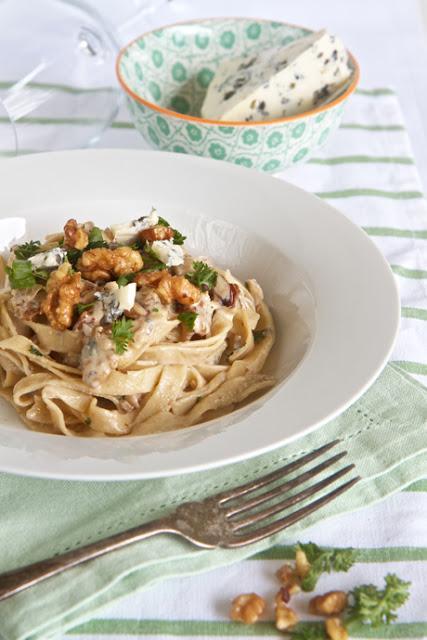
<point x="48" y="259"/>
<point x="278" y="82"/>
<point x="128" y="231"/>
<point x="168" y="252"/>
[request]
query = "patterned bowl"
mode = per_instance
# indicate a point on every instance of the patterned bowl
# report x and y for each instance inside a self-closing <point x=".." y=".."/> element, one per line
<point x="165" y="74"/>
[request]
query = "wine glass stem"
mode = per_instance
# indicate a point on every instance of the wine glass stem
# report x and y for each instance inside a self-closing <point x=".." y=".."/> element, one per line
<point x="8" y="135"/>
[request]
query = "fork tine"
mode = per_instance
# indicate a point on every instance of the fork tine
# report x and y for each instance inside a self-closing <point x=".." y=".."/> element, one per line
<point x="290" y="501"/>
<point x="255" y="536"/>
<point x="245" y="505"/>
<point x="275" y="475"/>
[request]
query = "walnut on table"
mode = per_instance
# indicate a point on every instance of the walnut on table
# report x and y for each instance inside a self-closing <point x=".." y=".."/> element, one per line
<point x="302" y="565"/>
<point x="330" y="604"/>
<point x="285" y="617"/>
<point x="289" y="579"/>
<point x="108" y="264"/>
<point x="247" y="608"/>
<point x="335" y="629"/>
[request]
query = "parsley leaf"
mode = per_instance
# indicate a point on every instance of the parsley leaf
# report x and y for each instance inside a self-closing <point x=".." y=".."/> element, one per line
<point x="308" y="631"/>
<point x="151" y="261"/>
<point x="41" y="275"/>
<point x="122" y="334"/>
<point x="188" y="318"/>
<point x="324" y="561"/>
<point x="95" y="235"/>
<point x="122" y="281"/>
<point x="370" y="605"/>
<point x="202" y="275"/>
<point x="21" y="274"/>
<point x="82" y="307"/>
<point x="259" y="335"/>
<point x="178" y="238"/>
<point x="27" y="250"/>
<point x="35" y="351"/>
<point x="73" y="255"/>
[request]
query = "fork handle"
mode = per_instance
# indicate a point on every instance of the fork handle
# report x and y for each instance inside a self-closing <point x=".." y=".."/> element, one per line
<point x="17" y="580"/>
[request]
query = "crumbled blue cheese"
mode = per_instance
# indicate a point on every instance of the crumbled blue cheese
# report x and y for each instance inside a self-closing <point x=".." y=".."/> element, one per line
<point x="128" y="231"/>
<point x="168" y="252"/>
<point x="278" y="82"/>
<point x="49" y="259"/>
<point x="115" y="300"/>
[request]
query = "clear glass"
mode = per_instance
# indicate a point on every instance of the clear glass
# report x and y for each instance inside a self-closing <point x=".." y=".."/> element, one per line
<point x="57" y="82"/>
<point x="128" y="16"/>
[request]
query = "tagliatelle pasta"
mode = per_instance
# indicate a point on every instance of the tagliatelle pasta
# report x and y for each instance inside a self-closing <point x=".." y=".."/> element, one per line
<point x="118" y="331"/>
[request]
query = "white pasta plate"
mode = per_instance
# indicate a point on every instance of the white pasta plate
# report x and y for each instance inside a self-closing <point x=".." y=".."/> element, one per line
<point x="333" y="297"/>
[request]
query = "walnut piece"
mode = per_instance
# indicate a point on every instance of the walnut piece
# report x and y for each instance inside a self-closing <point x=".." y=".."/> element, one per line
<point x="247" y="608"/>
<point x="330" y="604"/>
<point x="159" y="232"/>
<point x="74" y="235"/>
<point x="284" y="616"/>
<point x="63" y="292"/>
<point x="288" y="577"/>
<point x="335" y="629"/>
<point x="107" y="264"/>
<point x="177" y="288"/>
<point x="302" y="565"/>
<point x="150" y="278"/>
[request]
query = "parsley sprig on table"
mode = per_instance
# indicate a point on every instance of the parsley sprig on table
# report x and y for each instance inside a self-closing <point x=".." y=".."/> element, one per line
<point x="202" y="275"/>
<point x="373" y="606"/>
<point x="122" y="334"/>
<point x="308" y="631"/>
<point x="188" y="318"/>
<point x="324" y="561"/>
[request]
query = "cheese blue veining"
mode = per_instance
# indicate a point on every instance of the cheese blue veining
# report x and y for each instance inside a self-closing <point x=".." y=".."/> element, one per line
<point x="278" y="82"/>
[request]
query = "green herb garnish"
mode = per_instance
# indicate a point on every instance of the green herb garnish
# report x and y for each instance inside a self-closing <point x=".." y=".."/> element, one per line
<point x="259" y="334"/>
<point x="202" y="275"/>
<point x="21" y="274"/>
<point x="95" y="235"/>
<point x="122" y="281"/>
<point x="35" y="351"/>
<point x="82" y="307"/>
<point x="73" y="255"/>
<point x="122" y="334"/>
<point x="188" y="318"/>
<point x="151" y="261"/>
<point x="154" y="309"/>
<point x="88" y="421"/>
<point x="373" y="606"/>
<point x="178" y="238"/>
<point x="324" y="561"/>
<point x="41" y="275"/>
<point x="27" y="250"/>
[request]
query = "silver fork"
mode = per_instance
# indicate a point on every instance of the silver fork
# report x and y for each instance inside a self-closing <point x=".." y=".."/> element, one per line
<point x="229" y="519"/>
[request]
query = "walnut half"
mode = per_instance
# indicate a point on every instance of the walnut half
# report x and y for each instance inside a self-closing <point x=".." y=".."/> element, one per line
<point x="63" y="292"/>
<point x="285" y="617"/>
<point x="330" y="604"/>
<point x="247" y="608"/>
<point x="335" y="629"/>
<point x="107" y="264"/>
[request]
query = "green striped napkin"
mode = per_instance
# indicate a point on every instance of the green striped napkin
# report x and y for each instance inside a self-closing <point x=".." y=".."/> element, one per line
<point x="43" y="517"/>
<point x="368" y="173"/>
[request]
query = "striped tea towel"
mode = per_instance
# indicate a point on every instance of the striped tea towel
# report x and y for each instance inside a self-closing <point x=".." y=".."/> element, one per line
<point x="367" y="171"/>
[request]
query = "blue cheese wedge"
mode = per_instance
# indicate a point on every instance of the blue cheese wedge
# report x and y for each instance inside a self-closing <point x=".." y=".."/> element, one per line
<point x="128" y="231"/>
<point x="48" y="259"/>
<point x="168" y="252"/>
<point x="115" y="300"/>
<point x="278" y="82"/>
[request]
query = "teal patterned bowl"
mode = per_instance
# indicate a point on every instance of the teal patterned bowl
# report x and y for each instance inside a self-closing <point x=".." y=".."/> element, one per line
<point x="165" y="74"/>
